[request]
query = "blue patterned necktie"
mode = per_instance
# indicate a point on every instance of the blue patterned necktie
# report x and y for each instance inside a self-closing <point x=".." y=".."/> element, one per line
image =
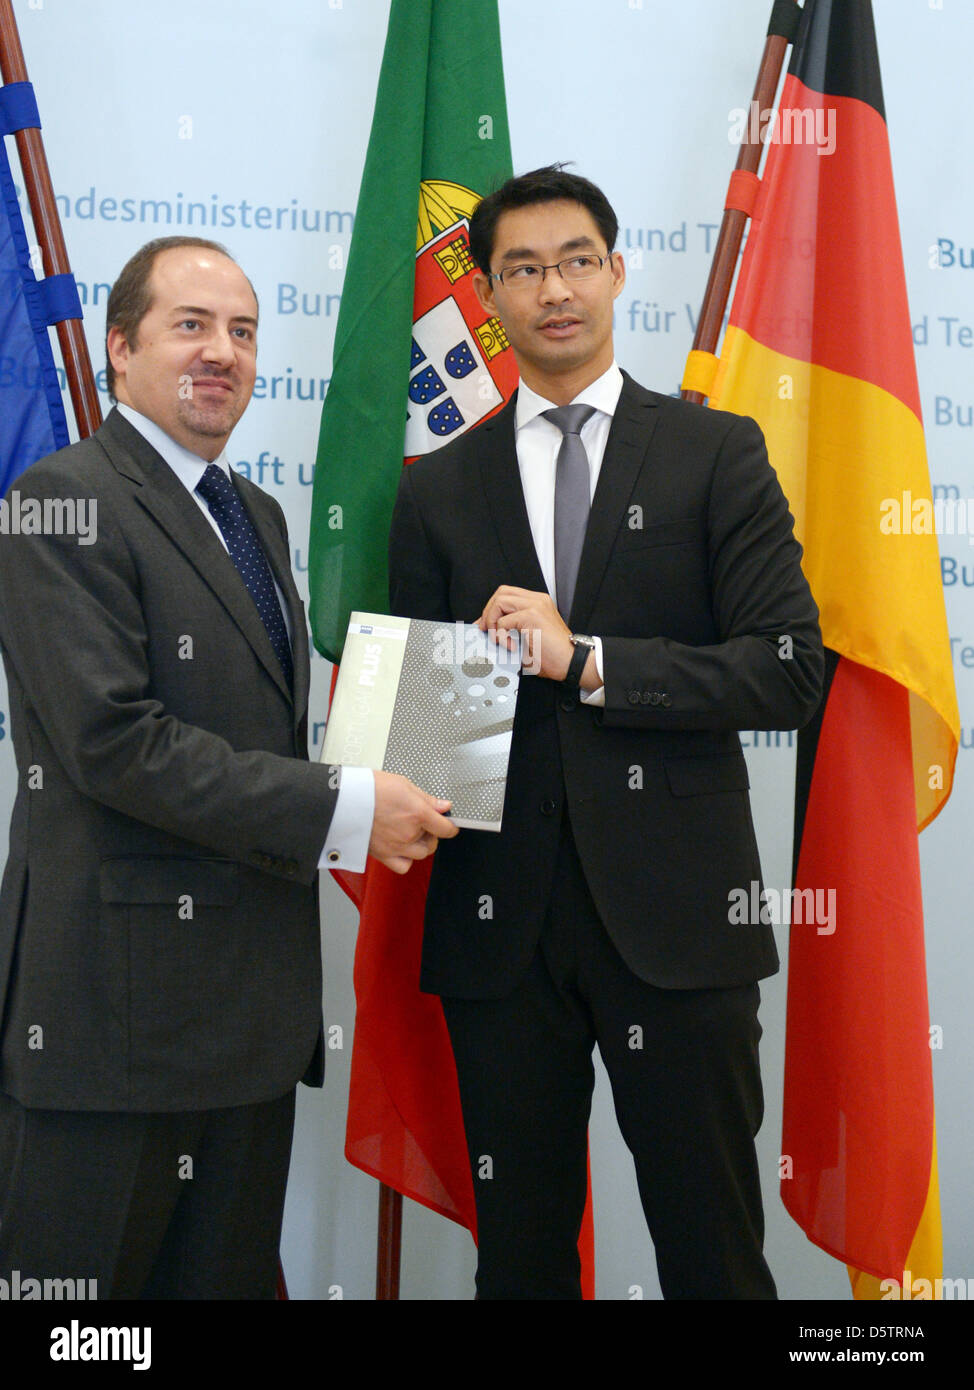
<point x="572" y="499"/>
<point x="246" y="552"/>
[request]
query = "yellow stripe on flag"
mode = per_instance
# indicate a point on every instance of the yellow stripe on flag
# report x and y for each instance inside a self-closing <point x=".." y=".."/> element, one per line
<point x="925" y="1260"/>
<point x="851" y="459"/>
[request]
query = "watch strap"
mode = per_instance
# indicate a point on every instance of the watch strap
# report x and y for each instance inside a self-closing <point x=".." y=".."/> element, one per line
<point x="573" y="676"/>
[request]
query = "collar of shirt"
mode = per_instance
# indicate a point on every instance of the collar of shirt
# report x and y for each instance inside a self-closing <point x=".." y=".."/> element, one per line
<point x="603" y="393"/>
<point x="188" y="467"/>
<point x="538" y="443"/>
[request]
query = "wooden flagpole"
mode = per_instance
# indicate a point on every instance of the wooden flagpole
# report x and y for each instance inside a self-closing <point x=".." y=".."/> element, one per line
<point x="389" y="1245"/>
<point x="782" y="29"/>
<point x="47" y="229"/>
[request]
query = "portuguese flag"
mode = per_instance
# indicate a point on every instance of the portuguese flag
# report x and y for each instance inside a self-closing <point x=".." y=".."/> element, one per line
<point x="416" y="363"/>
<point x="819" y="350"/>
<point x="439" y="142"/>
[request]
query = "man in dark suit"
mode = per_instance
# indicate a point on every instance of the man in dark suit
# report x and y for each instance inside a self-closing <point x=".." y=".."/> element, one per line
<point x="160" y="978"/>
<point x="644" y="550"/>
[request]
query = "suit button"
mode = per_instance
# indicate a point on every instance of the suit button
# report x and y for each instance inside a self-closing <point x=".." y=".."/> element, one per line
<point x="291" y="867"/>
<point x="646" y="697"/>
<point x="569" y="702"/>
<point x="665" y="700"/>
<point x="547" y="807"/>
<point x="654" y="698"/>
<point x="633" y="697"/>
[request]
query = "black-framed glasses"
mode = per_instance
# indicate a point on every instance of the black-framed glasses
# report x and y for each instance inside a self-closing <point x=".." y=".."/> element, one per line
<point x="523" y="277"/>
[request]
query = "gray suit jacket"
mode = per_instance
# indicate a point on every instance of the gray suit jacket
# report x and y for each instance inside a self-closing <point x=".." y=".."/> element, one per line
<point x="159" y="940"/>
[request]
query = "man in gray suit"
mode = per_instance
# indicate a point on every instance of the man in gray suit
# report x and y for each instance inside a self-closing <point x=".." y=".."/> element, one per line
<point x="160" y="977"/>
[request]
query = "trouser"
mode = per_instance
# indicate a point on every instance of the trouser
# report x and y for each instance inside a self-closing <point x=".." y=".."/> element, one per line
<point x="183" y="1205"/>
<point x="683" y="1065"/>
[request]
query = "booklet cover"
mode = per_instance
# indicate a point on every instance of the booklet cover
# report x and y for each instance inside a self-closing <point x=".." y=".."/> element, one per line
<point x="432" y="701"/>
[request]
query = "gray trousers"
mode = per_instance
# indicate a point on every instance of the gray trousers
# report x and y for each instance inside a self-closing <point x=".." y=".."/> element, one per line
<point x="182" y="1205"/>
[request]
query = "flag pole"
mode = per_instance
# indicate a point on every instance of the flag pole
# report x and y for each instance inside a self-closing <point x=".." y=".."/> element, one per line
<point x="47" y="228"/>
<point x="782" y="28"/>
<point x="389" y="1244"/>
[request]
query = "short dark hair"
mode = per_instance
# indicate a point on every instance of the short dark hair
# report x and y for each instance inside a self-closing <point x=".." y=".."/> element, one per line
<point x="131" y="297"/>
<point x="547" y="185"/>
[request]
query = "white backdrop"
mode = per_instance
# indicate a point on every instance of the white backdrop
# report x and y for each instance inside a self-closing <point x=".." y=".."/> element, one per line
<point x="247" y="107"/>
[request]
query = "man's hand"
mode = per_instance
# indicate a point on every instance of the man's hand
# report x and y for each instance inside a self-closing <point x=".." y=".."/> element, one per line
<point x="546" y="640"/>
<point x="546" y="647"/>
<point x="407" y="823"/>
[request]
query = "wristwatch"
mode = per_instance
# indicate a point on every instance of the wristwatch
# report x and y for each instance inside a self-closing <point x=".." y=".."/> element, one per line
<point x="583" y="645"/>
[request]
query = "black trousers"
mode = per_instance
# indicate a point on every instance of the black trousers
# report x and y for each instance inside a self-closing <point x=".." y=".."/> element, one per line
<point x="183" y="1205"/>
<point x="687" y="1092"/>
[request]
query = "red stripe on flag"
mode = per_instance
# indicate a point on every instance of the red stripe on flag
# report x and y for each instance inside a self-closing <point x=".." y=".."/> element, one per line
<point x="825" y="283"/>
<point x="404" y="1123"/>
<point x="858" y="1114"/>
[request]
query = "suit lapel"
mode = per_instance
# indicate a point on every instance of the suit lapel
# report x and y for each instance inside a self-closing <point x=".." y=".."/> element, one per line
<point x="501" y="479"/>
<point x="629" y="439"/>
<point x="162" y="494"/>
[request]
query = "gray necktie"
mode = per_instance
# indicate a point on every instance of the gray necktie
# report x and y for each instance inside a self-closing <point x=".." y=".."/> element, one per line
<point x="572" y="499"/>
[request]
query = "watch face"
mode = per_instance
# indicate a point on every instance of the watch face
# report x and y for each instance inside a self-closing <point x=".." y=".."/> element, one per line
<point x="581" y="641"/>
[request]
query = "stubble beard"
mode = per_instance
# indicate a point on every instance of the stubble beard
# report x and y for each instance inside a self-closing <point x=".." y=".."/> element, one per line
<point x="212" y="419"/>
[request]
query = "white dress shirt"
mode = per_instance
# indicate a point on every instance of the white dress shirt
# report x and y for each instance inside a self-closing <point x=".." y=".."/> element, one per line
<point x="347" y="843"/>
<point x="538" y="443"/>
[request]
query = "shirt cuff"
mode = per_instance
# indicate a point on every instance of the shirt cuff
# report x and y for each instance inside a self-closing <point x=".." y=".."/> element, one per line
<point x="596" y="697"/>
<point x="347" y="843"/>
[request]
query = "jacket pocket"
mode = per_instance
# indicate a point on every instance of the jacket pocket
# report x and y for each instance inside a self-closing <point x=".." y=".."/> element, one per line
<point x="686" y="531"/>
<point x="166" y="879"/>
<point x="700" y="776"/>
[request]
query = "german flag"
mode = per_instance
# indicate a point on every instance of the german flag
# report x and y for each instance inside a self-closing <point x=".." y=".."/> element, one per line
<point x="819" y="350"/>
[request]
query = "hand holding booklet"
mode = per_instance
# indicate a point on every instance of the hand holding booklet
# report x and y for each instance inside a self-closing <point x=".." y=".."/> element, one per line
<point x="432" y="701"/>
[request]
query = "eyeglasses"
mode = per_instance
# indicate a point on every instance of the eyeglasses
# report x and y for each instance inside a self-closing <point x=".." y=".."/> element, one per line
<point x="523" y="277"/>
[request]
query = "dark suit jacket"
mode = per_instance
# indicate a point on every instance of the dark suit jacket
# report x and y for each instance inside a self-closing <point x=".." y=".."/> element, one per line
<point x="159" y="909"/>
<point x="691" y="575"/>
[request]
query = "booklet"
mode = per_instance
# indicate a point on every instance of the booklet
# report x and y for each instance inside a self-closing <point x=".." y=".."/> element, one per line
<point x="432" y="701"/>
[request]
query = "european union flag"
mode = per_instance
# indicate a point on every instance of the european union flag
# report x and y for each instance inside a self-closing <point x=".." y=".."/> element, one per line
<point x="32" y="421"/>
